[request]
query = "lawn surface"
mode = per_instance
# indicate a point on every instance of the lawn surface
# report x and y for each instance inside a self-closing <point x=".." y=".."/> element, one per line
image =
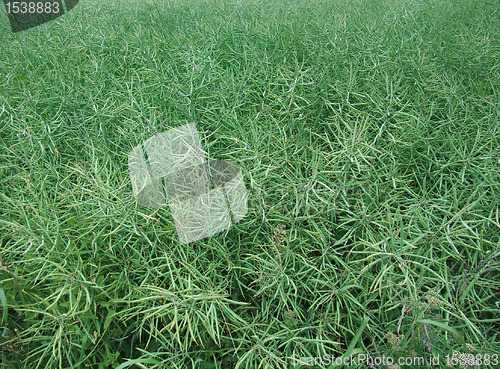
<point x="368" y="135"/>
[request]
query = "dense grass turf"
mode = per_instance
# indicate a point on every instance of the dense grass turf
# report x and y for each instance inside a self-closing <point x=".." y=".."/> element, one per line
<point x="368" y="135"/>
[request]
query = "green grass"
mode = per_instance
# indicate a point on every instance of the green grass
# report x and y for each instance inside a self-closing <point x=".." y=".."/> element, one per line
<point x="368" y="135"/>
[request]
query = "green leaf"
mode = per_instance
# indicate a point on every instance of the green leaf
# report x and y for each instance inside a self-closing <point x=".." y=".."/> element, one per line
<point x="443" y="326"/>
<point x="138" y="361"/>
<point x="3" y="300"/>
<point x="109" y="318"/>
<point x="350" y="349"/>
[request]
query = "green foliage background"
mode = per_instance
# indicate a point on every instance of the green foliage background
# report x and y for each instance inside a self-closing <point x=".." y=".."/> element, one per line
<point x="368" y="134"/>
